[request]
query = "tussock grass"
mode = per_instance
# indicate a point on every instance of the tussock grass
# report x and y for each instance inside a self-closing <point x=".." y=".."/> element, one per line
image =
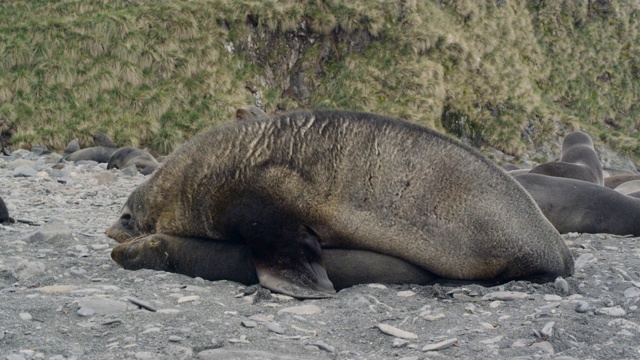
<point x="151" y="74"/>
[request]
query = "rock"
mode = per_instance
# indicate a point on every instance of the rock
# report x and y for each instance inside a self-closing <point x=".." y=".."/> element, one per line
<point x="505" y="296"/>
<point x="56" y="232"/>
<point x="24" y="171"/>
<point x="275" y="327"/>
<point x="547" y="330"/>
<point x="407" y="293"/>
<point x="615" y="311"/>
<point x="393" y="331"/>
<point x="632" y="292"/>
<point x="22" y="162"/>
<point x="301" y="310"/>
<point x="544" y="346"/>
<point x="583" y="260"/>
<point x="445" y="344"/>
<point x="222" y="354"/>
<point x="175" y="338"/>
<point x="550" y="297"/>
<point x="398" y="343"/>
<point x="561" y="285"/>
<point x="101" y="306"/>
<point x="322" y="346"/>
<point x="492" y="340"/>
<point x="430" y="317"/>
<point x="582" y="306"/>
<point x="26" y="269"/>
<point x="249" y="324"/>
<point x="25" y="316"/>
<point x="188" y="299"/>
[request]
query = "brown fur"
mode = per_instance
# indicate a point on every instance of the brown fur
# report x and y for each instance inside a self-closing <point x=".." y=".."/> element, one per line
<point x="295" y="184"/>
<point x="578" y="206"/>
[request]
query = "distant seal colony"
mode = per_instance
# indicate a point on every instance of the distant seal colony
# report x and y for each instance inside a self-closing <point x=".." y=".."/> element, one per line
<point x="299" y="183"/>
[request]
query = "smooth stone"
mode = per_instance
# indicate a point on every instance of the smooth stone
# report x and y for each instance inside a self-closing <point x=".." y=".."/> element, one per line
<point x="632" y="292"/>
<point x="24" y="171"/>
<point x="550" y="297"/>
<point x="492" y="340"/>
<point x="145" y="355"/>
<point x="505" y="295"/>
<point x="301" y="310"/>
<point x="544" y="346"/>
<point x="394" y="331"/>
<point x="56" y="289"/>
<point x="21" y="162"/>
<point x="130" y="171"/>
<point x="222" y="354"/>
<point x="101" y="306"/>
<point x="430" y="317"/>
<point x="26" y="269"/>
<point x="377" y="286"/>
<point x="275" y="327"/>
<point x="625" y="324"/>
<point x="398" y="343"/>
<point x="615" y="311"/>
<point x="547" y="330"/>
<point x="188" y="299"/>
<point x="249" y="324"/>
<point x="25" y="316"/>
<point x="54" y="232"/>
<point x="582" y="306"/>
<point x="407" y="293"/>
<point x="323" y="346"/>
<point x="583" y="260"/>
<point x="15" y="357"/>
<point x="445" y="344"/>
<point x="561" y="285"/>
<point x="175" y="338"/>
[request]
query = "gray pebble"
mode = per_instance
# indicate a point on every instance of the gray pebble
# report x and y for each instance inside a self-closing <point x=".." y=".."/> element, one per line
<point x="322" y="346"/>
<point x="561" y="285"/>
<point x="24" y="171"/>
<point x="398" y="343"/>
<point x="175" y="338"/>
<point x="26" y="269"/>
<point x="275" y="327"/>
<point x="632" y="292"/>
<point x="445" y="344"/>
<point x="249" y="324"/>
<point x="505" y="295"/>
<point x="100" y="306"/>
<point x="222" y="354"/>
<point x="582" y="306"/>
<point x="615" y="311"/>
<point x="15" y="357"/>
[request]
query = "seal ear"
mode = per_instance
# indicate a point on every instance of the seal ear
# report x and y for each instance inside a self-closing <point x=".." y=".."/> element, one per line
<point x="295" y="269"/>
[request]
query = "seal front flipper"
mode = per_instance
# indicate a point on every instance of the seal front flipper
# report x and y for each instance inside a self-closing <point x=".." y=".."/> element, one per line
<point x="292" y="266"/>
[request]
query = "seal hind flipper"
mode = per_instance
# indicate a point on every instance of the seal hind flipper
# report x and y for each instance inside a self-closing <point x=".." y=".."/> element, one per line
<point x="296" y="269"/>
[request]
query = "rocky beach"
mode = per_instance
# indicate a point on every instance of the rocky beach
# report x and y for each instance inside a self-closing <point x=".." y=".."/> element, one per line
<point x="62" y="297"/>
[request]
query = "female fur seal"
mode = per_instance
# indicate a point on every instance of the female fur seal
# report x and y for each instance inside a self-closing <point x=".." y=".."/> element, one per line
<point x="291" y="186"/>
<point x="578" y="160"/>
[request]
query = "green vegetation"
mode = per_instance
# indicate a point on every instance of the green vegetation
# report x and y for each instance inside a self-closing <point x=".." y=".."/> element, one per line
<point x="501" y="73"/>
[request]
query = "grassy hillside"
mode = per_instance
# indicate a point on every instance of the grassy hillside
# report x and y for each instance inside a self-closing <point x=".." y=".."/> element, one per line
<point x="505" y="74"/>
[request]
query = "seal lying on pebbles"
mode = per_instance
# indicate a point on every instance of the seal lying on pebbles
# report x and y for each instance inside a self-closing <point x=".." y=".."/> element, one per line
<point x="127" y="156"/>
<point x="220" y="260"/>
<point x="296" y="184"/>
<point x="578" y="160"/>
<point x="578" y="206"/>
<point x="101" y="152"/>
<point x="4" y="213"/>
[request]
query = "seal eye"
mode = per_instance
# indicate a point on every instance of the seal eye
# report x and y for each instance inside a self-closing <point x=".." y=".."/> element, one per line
<point x="126" y="220"/>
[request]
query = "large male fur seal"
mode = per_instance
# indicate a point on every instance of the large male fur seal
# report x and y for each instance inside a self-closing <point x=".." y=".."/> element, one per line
<point x="578" y="206"/>
<point x="127" y="156"/>
<point x="578" y="160"/>
<point x="293" y="185"/>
